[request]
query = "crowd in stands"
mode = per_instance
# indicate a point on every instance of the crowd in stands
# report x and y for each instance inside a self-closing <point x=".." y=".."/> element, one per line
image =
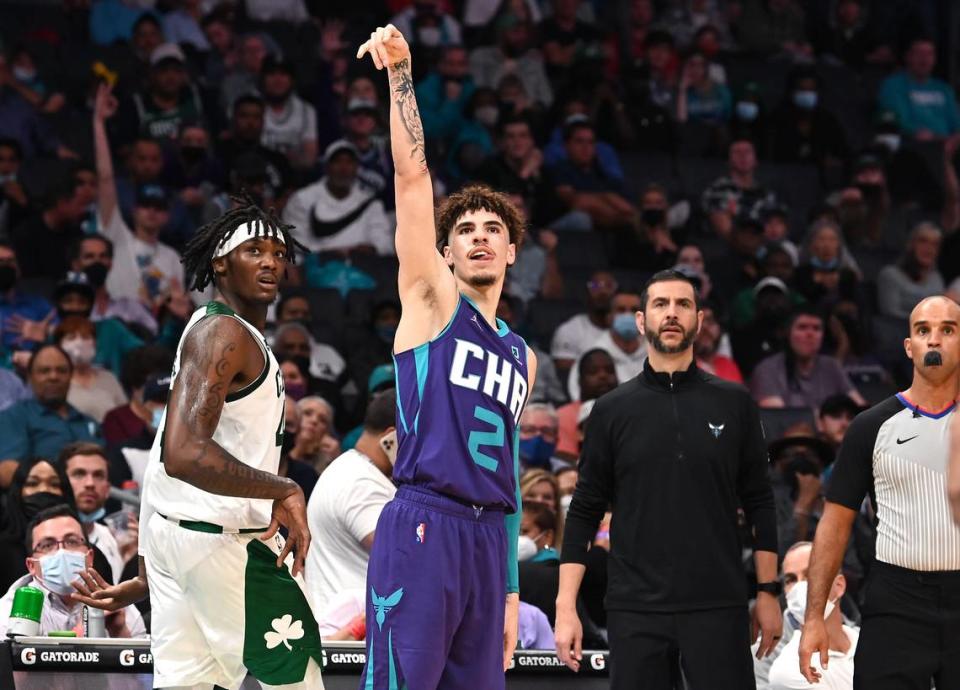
<point x="796" y="159"/>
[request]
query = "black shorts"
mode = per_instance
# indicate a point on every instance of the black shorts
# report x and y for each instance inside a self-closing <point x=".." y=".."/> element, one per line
<point x="711" y="647"/>
<point x="911" y="630"/>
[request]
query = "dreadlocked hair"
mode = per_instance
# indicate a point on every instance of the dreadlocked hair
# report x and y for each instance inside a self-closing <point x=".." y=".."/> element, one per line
<point x="198" y="255"/>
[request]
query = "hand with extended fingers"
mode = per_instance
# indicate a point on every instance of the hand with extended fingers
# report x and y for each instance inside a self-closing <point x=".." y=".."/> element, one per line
<point x="386" y="47"/>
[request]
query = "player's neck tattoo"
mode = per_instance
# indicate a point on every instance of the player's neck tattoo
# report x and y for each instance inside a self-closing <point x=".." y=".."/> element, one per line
<point x="401" y="90"/>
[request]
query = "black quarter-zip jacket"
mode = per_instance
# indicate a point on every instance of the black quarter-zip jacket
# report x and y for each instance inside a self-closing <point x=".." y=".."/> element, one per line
<point x="675" y="456"/>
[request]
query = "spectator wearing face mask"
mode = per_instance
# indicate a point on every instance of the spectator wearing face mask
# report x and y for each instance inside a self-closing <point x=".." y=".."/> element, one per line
<point x="345" y="506"/>
<point x="370" y="345"/>
<point x="538" y="437"/>
<point x="88" y="471"/>
<point x="37" y="484"/>
<point x="93" y="256"/>
<point x="128" y="457"/>
<point x="621" y="341"/>
<point x="804" y="130"/>
<point x="321" y="364"/>
<point x="41" y="426"/>
<point x="764" y="334"/>
<point x="827" y="271"/>
<point x="784" y="672"/>
<point x="94" y="391"/>
<point x="749" y="118"/>
<point x="58" y="554"/>
<point x="75" y="297"/>
<point x="426" y="25"/>
<point x="655" y="247"/>
<point x="142" y="365"/>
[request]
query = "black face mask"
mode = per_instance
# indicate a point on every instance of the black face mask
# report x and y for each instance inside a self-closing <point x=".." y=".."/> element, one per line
<point x="96" y="274"/>
<point x="276" y="99"/>
<point x="192" y="154"/>
<point x="872" y="193"/>
<point x="34" y="503"/>
<point x="64" y="313"/>
<point x="653" y="217"/>
<point x="8" y="277"/>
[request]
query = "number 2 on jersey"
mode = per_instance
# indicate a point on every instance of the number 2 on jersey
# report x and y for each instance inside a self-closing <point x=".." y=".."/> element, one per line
<point x="492" y="438"/>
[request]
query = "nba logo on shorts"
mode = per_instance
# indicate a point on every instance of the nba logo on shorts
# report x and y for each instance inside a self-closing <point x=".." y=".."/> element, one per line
<point x="421" y="532"/>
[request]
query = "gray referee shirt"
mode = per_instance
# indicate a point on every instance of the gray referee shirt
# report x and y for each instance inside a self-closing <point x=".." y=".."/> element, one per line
<point x="898" y="453"/>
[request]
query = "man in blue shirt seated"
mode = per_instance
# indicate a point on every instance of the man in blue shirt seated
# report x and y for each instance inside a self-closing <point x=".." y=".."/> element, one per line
<point x="40" y="427"/>
<point x="926" y="107"/>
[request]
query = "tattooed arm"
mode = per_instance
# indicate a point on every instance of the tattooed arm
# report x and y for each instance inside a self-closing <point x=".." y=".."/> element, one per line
<point x="214" y="360"/>
<point x="427" y="289"/>
<point x="217" y="358"/>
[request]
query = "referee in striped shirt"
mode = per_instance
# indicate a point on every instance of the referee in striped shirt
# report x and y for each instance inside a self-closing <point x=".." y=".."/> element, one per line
<point x="898" y="453"/>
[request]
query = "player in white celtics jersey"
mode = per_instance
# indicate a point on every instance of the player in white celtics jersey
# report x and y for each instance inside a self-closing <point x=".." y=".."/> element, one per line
<point x="226" y="591"/>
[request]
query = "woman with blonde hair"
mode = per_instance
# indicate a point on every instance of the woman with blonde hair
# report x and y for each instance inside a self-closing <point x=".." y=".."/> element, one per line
<point x="540" y="486"/>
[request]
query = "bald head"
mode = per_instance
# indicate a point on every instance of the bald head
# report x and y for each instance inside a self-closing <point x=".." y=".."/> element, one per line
<point x="934" y="342"/>
<point x="930" y="305"/>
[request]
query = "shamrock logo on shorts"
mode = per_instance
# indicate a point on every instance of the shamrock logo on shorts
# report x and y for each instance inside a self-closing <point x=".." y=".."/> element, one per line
<point x="284" y="629"/>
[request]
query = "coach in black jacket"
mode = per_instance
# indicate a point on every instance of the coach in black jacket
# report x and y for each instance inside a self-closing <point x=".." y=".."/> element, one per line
<point x="675" y="451"/>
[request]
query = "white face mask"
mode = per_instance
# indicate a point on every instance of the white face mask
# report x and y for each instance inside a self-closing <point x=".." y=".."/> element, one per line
<point x="429" y="36"/>
<point x="565" y="502"/>
<point x="487" y="115"/>
<point x="81" y="350"/>
<point x="526" y="548"/>
<point x="797" y="603"/>
<point x="389" y="445"/>
<point x="890" y="141"/>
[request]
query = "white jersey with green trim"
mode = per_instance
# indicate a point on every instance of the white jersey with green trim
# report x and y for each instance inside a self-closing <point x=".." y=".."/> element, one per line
<point x="250" y="429"/>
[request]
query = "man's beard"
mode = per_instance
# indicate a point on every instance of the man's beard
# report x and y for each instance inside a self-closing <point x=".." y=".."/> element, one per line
<point x="482" y="280"/>
<point x="663" y="348"/>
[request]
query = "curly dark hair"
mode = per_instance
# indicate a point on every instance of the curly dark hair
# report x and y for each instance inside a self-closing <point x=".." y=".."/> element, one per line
<point x="479" y="197"/>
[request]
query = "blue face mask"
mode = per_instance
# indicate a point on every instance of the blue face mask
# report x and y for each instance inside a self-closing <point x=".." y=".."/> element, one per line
<point x="87" y="518"/>
<point x="59" y="569"/>
<point x="805" y="100"/>
<point x="156" y="419"/>
<point x="747" y="111"/>
<point x="625" y="325"/>
<point x="536" y="452"/>
<point x="821" y="265"/>
<point x="386" y="333"/>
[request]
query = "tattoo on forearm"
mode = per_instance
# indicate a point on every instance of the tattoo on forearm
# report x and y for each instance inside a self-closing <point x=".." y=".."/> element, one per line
<point x="213" y="469"/>
<point x="402" y="91"/>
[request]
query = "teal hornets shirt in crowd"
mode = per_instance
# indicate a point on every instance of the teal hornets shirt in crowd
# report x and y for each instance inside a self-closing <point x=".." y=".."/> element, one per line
<point x="459" y="400"/>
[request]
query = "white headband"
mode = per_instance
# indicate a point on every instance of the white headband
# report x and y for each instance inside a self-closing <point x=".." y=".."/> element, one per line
<point x="248" y="231"/>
